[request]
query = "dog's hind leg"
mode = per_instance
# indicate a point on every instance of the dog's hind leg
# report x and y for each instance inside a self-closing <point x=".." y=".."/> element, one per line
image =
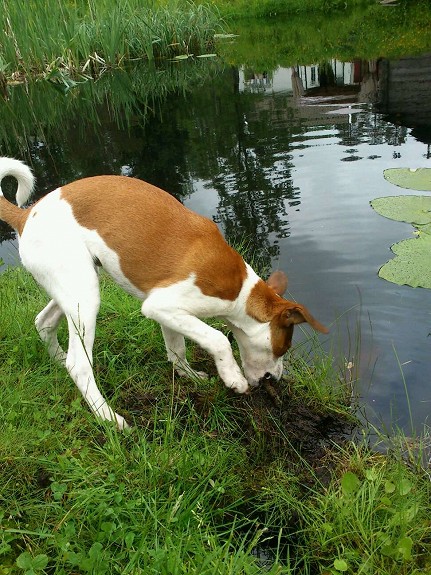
<point x="76" y="295"/>
<point x="81" y="319"/>
<point x="176" y="350"/>
<point x="53" y="249"/>
<point x="47" y="322"/>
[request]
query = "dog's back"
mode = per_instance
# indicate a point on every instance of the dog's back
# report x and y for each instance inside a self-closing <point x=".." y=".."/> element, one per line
<point x="158" y="240"/>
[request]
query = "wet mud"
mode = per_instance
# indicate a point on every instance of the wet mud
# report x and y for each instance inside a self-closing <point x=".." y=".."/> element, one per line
<point x="271" y="419"/>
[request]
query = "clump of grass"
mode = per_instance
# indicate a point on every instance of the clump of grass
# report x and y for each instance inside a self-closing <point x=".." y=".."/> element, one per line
<point x="85" y="38"/>
<point x="204" y="483"/>
<point x="373" y="517"/>
<point x="77" y="497"/>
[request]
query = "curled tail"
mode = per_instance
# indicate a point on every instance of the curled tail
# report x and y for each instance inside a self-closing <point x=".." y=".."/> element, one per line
<point x="9" y="213"/>
<point x="22" y="173"/>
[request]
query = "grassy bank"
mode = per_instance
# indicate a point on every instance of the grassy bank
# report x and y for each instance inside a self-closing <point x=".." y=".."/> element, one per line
<point x="376" y="32"/>
<point x="85" y="37"/>
<point x="205" y="482"/>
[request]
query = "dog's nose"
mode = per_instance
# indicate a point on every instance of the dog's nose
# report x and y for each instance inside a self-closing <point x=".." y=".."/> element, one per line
<point x="267" y="378"/>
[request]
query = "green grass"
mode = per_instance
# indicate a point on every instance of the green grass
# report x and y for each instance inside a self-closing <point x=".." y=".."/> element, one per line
<point x="373" y="518"/>
<point x="84" y="38"/>
<point x="205" y="482"/>
<point x="368" y="33"/>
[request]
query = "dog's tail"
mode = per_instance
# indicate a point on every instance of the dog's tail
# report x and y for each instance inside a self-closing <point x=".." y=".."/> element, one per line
<point x="9" y="212"/>
<point x="22" y="173"/>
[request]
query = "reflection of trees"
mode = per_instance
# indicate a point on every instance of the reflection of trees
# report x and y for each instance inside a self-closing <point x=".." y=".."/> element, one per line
<point x="101" y="128"/>
<point x="160" y="157"/>
<point x="248" y="215"/>
<point x="6" y="233"/>
<point x="251" y="205"/>
<point x="239" y="143"/>
<point x="325" y="74"/>
<point x="371" y="129"/>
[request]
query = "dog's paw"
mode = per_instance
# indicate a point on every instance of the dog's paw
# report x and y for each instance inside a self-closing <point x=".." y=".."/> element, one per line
<point x="121" y="422"/>
<point x="107" y="414"/>
<point x="240" y="385"/>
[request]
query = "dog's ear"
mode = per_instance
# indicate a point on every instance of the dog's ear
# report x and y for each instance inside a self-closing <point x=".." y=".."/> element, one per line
<point x="278" y="282"/>
<point x="297" y="313"/>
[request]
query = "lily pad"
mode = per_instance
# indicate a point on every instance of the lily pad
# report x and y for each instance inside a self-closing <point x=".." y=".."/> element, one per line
<point x="411" y="178"/>
<point x="424" y="228"/>
<point x="412" y="209"/>
<point x="412" y="264"/>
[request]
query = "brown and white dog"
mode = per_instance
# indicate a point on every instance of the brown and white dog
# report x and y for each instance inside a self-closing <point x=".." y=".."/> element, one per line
<point x="174" y="260"/>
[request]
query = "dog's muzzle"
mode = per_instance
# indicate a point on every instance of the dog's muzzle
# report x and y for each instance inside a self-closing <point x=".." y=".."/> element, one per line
<point x="267" y="378"/>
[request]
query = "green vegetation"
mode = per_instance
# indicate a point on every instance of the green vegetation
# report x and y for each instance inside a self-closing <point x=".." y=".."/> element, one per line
<point x="70" y="42"/>
<point x="205" y="482"/>
<point x="411" y="266"/>
<point x="41" y="111"/>
<point x="410" y="178"/>
<point x="45" y="110"/>
<point x="369" y="33"/>
<point x="85" y="38"/>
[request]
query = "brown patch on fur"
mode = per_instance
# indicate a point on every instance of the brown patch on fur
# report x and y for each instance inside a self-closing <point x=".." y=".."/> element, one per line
<point x="262" y="302"/>
<point x="281" y="337"/>
<point x="266" y="306"/>
<point x="158" y="240"/>
<point x="12" y="215"/>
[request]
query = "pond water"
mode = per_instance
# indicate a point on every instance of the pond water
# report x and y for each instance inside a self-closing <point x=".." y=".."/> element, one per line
<point x="286" y="159"/>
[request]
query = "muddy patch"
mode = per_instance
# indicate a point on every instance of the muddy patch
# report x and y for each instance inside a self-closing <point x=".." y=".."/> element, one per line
<point x="271" y="420"/>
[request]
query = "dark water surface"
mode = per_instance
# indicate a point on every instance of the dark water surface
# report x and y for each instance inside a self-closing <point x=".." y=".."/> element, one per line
<point x="286" y="159"/>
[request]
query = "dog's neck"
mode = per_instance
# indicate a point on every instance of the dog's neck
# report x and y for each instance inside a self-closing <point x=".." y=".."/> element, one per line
<point x="237" y="313"/>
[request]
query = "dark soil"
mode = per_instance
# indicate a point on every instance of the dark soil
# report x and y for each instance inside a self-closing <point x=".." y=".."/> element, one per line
<point x="288" y="427"/>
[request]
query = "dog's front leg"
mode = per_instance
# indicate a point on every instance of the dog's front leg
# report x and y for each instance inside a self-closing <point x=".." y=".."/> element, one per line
<point x="176" y="350"/>
<point x="210" y="339"/>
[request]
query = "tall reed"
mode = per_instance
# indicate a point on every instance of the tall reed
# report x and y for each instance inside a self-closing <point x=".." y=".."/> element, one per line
<point x="84" y="37"/>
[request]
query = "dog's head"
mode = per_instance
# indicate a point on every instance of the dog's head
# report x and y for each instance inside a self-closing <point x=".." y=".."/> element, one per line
<point x="263" y="346"/>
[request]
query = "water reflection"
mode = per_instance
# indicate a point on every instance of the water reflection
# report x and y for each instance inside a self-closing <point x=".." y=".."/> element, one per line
<point x="404" y="95"/>
<point x="332" y="80"/>
<point x="289" y="171"/>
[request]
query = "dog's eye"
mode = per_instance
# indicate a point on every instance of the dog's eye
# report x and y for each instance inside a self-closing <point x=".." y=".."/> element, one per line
<point x="267" y="376"/>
